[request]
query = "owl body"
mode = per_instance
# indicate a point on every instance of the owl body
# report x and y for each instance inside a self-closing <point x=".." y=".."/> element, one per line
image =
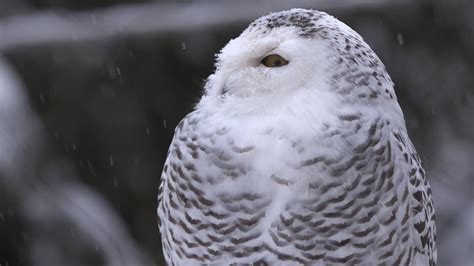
<point x="307" y="163"/>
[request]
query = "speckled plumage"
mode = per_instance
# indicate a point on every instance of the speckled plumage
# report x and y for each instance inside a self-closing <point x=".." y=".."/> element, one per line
<point x="308" y="163"/>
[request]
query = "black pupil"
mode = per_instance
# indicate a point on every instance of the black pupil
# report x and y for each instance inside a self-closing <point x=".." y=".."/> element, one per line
<point x="277" y="62"/>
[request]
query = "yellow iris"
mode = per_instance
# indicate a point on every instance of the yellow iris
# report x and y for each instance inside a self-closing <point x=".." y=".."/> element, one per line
<point x="274" y="60"/>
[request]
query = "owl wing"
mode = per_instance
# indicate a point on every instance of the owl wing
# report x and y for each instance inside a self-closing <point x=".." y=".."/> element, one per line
<point x="196" y="221"/>
<point x="172" y="157"/>
<point x="420" y="210"/>
<point x="166" y="201"/>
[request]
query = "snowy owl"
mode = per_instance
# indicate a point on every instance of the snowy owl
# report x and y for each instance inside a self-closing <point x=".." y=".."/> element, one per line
<point x="297" y="153"/>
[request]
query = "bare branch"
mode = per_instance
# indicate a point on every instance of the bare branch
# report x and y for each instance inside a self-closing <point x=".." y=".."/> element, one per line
<point x="53" y="27"/>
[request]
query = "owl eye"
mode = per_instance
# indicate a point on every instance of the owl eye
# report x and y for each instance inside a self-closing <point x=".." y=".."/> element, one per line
<point x="274" y="60"/>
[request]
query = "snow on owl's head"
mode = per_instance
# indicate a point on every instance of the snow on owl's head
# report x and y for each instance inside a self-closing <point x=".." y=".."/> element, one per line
<point x="300" y="51"/>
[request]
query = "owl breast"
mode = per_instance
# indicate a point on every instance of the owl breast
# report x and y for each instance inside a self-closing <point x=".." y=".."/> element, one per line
<point x="264" y="193"/>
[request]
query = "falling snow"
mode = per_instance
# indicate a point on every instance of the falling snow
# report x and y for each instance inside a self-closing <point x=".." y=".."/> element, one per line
<point x="86" y="87"/>
<point x="400" y="39"/>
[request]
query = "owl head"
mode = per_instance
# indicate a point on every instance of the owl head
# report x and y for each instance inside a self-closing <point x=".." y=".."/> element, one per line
<point x="299" y="53"/>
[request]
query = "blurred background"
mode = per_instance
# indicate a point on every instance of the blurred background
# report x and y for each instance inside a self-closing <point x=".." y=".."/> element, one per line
<point x="91" y="90"/>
